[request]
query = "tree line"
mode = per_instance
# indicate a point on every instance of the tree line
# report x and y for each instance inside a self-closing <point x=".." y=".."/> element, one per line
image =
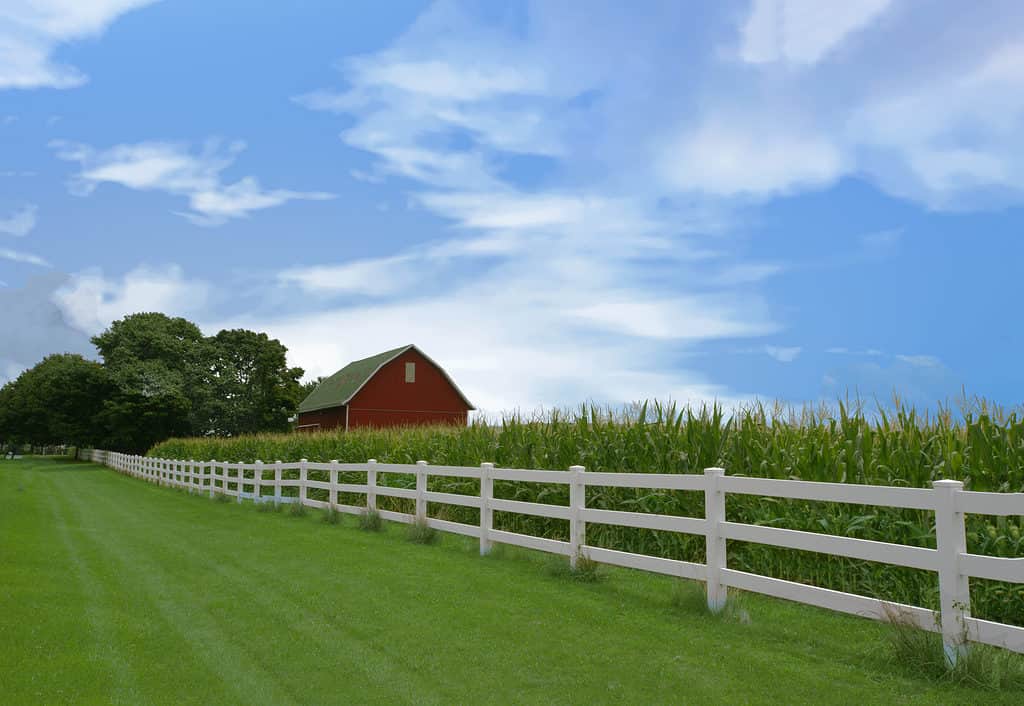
<point x="158" y="377"/>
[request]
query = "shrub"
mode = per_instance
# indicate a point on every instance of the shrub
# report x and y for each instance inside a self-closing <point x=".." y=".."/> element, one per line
<point x="585" y="571"/>
<point x="297" y="510"/>
<point x="420" y="532"/>
<point x="370" y="520"/>
<point x="921" y="654"/>
<point x="331" y="516"/>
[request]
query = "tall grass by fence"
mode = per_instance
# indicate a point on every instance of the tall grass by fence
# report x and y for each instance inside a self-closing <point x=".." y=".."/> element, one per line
<point x="946" y="500"/>
<point x="983" y="447"/>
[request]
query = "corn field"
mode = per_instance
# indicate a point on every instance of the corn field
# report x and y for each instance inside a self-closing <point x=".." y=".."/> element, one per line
<point x="982" y="446"/>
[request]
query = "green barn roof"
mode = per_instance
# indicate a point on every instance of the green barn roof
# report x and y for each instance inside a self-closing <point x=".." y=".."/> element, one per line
<point x="341" y="387"/>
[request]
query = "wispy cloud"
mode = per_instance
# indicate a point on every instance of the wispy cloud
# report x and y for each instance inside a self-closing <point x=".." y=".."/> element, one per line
<point x="21" y="222"/>
<point x="23" y="257"/>
<point x="376" y="277"/>
<point x="803" y="32"/>
<point x="175" y="169"/>
<point x="747" y="158"/>
<point x="881" y="243"/>
<point x="920" y="361"/>
<point x="31" y="30"/>
<point x="783" y="354"/>
<point x="584" y="288"/>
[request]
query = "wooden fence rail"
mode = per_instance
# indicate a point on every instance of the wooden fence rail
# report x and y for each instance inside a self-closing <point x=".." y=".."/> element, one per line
<point x="947" y="499"/>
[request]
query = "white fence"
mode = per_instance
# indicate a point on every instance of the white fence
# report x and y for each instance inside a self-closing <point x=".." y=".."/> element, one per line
<point x="947" y="498"/>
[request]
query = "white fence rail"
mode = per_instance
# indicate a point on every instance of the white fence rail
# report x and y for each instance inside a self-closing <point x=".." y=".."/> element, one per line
<point x="947" y="499"/>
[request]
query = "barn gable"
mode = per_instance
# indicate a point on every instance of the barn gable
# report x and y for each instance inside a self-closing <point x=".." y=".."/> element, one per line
<point x="340" y="388"/>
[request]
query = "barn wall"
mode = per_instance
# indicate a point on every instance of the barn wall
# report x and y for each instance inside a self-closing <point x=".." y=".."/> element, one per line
<point x="330" y="418"/>
<point x="388" y="400"/>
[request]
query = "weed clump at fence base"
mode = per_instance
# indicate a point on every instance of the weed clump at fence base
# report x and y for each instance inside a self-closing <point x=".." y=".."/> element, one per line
<point x="982" y="446"/>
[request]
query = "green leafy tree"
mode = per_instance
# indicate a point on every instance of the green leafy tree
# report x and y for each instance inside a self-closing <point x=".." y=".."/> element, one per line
<point x="156" y="365"/>
<point x="160" y="378"/>
<point x="251" y="387"/>
<point x="309" y="386"/>
<point x="58" y="401"/>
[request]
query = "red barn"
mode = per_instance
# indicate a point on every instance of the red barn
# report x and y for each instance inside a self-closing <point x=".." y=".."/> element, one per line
<point x="394" y="388"/>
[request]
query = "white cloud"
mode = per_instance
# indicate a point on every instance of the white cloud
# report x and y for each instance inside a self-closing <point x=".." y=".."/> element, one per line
<point x="803" y="32"/>
<point x="379" y="277"/>
<point x="920" y="361"/>
<point x="31" y="30"/>
<point x="440" y="79"/>
<point x="749" y="158"/>
<point x="21" y="222"/>
<point x="509" y="210"/>
<point x="503" y="355"/>
<point x="90" y="301"/>
<point x="698" y="318"/>
<point x="746" y="273"/>
<point x="783" y="354"/>
<point x="572" y="289"/>
<point x="23" y="257"/>
<point x="956" y="134"/>
<point x="173" y="168"/>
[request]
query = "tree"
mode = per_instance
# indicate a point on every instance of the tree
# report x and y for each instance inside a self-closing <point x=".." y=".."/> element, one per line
<point x="171" y="381"/>
<point x="160" y="377"/>
<point x="58" y="401"/>
<point x="308" y="387"/>
<point x="156" y="365"/>
<point x="252" y="388"/>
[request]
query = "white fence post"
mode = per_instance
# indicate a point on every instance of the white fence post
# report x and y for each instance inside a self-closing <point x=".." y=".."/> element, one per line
<point x="954" y="590"/>
<point x="332" y="498"/>
<point x="240" y="477"/>
<point x="303" y="473"/>
<point x="277" y="482"/>
<point x="577" y="501"/>
<point x="421" y="490"/>
<point x="714" y="512"/>
<point x="486" y="513"/>
<point x="371" y="484"/>
<point x="257" y="488"/>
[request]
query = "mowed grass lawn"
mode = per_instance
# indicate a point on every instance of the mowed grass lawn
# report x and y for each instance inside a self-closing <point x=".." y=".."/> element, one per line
<point x="113" y="590"/>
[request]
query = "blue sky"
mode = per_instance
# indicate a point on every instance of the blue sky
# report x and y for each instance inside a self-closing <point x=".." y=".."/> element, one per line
<point x="557" y="201"/>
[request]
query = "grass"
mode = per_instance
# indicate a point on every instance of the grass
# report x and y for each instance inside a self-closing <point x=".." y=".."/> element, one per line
<point x="117" y="591"/>
<point x="921" y="652"/>
<point x="849" y="443"/>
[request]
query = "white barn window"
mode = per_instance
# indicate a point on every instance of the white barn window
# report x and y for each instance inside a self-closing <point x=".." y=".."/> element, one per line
<point x="410" y="372"/>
